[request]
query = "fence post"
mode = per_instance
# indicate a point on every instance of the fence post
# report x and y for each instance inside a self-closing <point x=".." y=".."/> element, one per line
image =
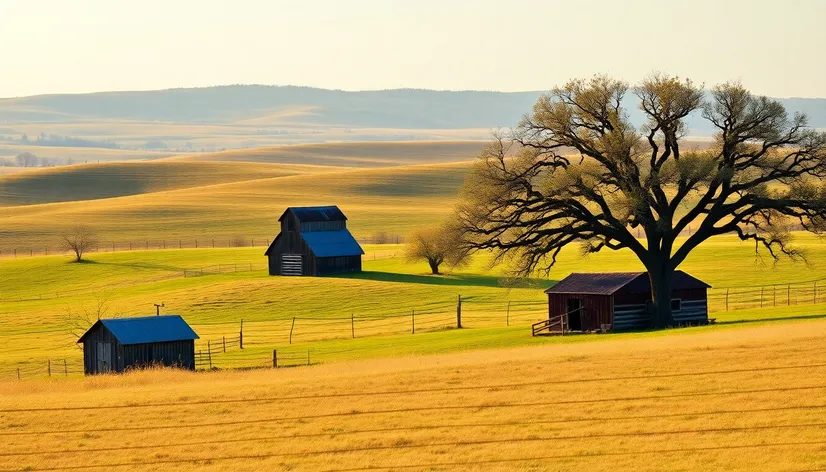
<point x="224" y="339"/>
<point x="508" y="315"/>
<point x="196" y="244"/>
<point x="241" y="335"/>
<point x="113" y="246"/>
<point x="274" y="359"/>
<point x="65" y="368"/>
<point x="814" y="290"/>
<point x="413" y="320"/>
<point x="213" y="243"/>
<point x="788" y="294"/>
<point x="180" y="244"/>
<point x="291" y="330"/>
<point x="308" y="356"/>
<point x="727" y="290"/>
<point x="353" y="324"/>
<point x="130" y="246"/>
<point x="459" y="313"/>
<point x="49" y="367"/>
<point x="18" y="373"/>
<point x="209" y="354"/>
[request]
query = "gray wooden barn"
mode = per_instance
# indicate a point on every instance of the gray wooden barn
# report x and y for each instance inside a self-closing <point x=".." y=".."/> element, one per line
<point x="314" y="241"/>
<point x="119" y="344"/>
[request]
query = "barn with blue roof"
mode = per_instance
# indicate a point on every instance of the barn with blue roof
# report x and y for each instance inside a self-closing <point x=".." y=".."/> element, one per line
<point x="314" y="241"/>
<point x="119" y="344"/>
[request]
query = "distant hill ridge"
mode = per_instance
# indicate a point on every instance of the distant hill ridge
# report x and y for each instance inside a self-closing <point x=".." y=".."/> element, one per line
<point x="401" y="108"/>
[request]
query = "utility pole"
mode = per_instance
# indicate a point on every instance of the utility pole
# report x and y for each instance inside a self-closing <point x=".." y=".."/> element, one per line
<point x="158" y="309"/>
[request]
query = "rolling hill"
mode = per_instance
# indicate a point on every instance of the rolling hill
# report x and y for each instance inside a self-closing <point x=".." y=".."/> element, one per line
<point x="392" y="200"/>
<point x="97" y="181"/>
<point x="359" y="154"/>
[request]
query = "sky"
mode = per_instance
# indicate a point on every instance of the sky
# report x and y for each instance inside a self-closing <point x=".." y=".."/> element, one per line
<point x="773" y="47"/>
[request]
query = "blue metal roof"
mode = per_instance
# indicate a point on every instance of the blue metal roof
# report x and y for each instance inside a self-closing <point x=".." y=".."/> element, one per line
<point x="148" y="329"/>
<point x="316" y="213"/>
<point x="332" y="243"/>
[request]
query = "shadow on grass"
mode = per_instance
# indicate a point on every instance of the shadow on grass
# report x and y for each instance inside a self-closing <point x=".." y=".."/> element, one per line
<point x="475" y="280"/>
<point x="778" y="318"/>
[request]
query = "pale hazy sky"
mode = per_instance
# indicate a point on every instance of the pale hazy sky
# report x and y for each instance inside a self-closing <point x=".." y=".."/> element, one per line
<point x="775" y="47"/>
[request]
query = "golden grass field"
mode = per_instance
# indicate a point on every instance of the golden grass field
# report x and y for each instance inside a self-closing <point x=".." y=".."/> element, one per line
<point x="742" y="400"/>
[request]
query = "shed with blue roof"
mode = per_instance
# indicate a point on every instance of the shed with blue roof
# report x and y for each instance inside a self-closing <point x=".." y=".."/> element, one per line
<point x="119" y="344"/>
<point x="314" y="241"/>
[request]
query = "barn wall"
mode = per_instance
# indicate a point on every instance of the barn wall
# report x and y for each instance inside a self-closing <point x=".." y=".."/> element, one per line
<point x="338" y="265"/>
<point x="173" y="353"/>
<point x="323" y="225"/>
<point x="99" y="334"/>
<point x="291" y="242"/>
<point x="596" y="309"/>
<point x="630" y="309"/>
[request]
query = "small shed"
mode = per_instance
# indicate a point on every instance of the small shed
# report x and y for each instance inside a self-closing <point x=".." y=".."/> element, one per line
<point x="622" y="300"/>
<point x="119" y="344"/>
<point x="314" y="241"/>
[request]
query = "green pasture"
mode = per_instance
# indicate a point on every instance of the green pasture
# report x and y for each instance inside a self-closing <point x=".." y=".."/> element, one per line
<point x="41" y="296"/>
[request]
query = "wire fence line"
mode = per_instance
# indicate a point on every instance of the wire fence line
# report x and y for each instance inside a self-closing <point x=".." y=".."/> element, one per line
<point x="223" y="242"/>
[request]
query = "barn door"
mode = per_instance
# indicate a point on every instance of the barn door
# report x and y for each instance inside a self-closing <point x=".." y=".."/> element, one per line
<point x="291" y="264"/>
<point x="104" y="357"/>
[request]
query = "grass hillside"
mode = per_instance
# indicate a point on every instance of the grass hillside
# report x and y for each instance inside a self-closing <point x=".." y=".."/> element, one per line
<point x="392" y="200"/>
<point x="40" y="293"/>
<point x="362" y="154"/>
<point x="97" y="181"/>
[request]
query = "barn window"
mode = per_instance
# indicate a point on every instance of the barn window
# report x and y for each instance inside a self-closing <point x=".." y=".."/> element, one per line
<point x="676" y="304"/>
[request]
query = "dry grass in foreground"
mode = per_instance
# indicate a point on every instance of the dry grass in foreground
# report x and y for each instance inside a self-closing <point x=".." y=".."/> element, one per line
<point x="753" y="399"/>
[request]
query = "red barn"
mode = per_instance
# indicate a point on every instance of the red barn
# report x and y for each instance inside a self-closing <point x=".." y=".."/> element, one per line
<point x="619" y="301"/>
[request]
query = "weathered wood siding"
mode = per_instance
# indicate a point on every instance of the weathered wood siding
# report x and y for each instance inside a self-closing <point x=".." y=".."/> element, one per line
<point x="322" y="225"/>
<point x="171" y="354"/>
<point x="631" y="309"/>
<point x="596" y="309"/>
<point x="339" y="265"/>
<point x="291" y="242"/>
<point x="90" y="352"/>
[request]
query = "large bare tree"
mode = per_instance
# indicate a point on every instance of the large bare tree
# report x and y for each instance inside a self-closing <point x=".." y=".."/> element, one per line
<point x="576" y="170"/>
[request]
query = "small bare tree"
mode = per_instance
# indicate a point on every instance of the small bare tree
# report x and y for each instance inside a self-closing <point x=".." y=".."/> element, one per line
<point x="79" y="319"/>
<point x="437" y="245"/>
<point x="79" y="240"/>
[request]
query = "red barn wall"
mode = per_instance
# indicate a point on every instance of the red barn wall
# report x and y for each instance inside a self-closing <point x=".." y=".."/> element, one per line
<point x="597" y="309"/>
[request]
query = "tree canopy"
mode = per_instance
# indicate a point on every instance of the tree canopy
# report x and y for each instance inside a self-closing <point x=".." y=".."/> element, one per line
<point x="576" y="170"/>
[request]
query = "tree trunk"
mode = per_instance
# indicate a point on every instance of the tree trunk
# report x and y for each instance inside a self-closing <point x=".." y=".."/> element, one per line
<point x="661" y="282"/>
<point x="434" y="267"/>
